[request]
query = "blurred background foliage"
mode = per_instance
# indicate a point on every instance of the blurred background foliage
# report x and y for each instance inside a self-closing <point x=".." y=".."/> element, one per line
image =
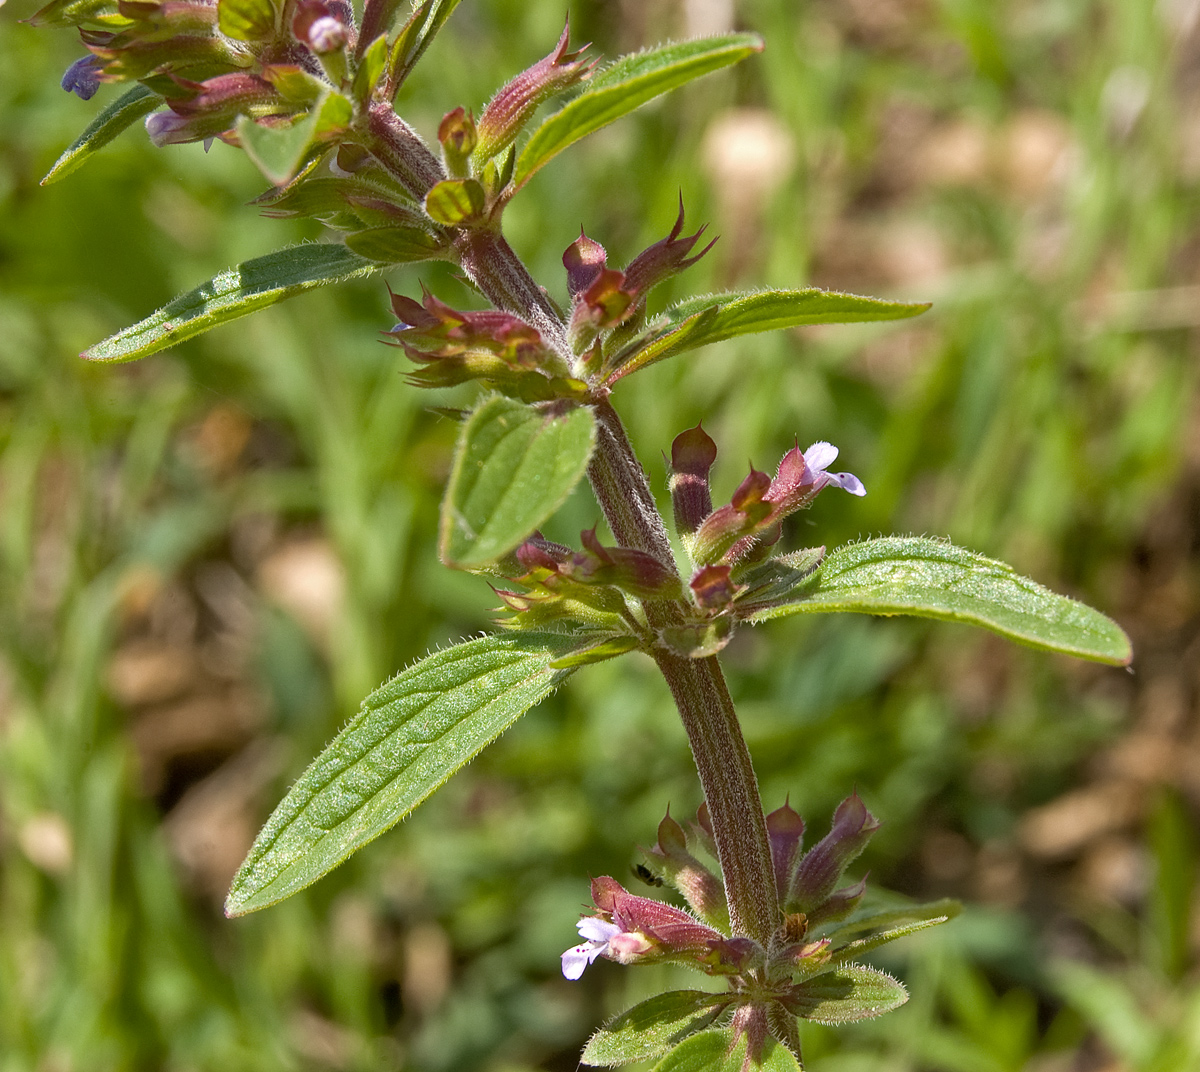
<point x="208" y="558"/>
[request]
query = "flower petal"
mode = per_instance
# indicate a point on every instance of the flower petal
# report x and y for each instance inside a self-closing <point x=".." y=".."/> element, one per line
<point x="575" y="959"/>
<point x="847" y="482"/>
<point x="596" y="930"/>
<point x="820" y="456"/>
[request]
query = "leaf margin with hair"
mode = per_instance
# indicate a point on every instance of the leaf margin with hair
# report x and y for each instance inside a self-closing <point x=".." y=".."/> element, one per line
<point x="714" y="1051"/>
<point x="518" y="676"/>
<point x="827" y="590"/>
<point x="713" y="318"/>
<point x="113" y="120"/>
<point x="326" y="263"/>
<point x="626" y="85"/>
<point x="684" y="1012"/>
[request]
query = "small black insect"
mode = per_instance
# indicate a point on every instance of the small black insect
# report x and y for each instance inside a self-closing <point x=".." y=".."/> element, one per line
<point x="646" y="875"/>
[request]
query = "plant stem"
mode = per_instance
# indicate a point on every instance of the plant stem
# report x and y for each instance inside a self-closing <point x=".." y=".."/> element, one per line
<point x="730" y="789"/>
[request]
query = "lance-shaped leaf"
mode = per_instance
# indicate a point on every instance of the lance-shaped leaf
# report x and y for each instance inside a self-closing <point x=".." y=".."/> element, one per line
<point x="713" y="1051"/>
<point x="514" y="467"/>
<point x="850" y="993"/>
<point x="884" y="928"/>
<point x="243" y="289"/>
<point x="934" y="579"/>
<point x="701" y="321"/>
<point x="628" y="84"/>
<point x="653" y="1027"/>
<point x="409" y="737"/>
<point x="121" y="113"/>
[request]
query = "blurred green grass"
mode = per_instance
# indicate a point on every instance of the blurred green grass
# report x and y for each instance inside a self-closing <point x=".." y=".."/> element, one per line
<point x="207" y="559"/>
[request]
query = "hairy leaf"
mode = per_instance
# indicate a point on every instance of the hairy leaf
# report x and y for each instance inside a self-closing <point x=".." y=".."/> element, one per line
<point x="701" y="321"/>
<point x="628" y="84"/>
<point x="409" y="737"/>
<point x="394" y="245"/>
<point x="652" y="1027"/>
<point x="934" y="579"/>
<point x="243" y="289"/>
<point x="515" y="465"/>
<point x="246" y="20"/>
<point x="852" y="992"/>
<point x="886" y="927"/>
<point x="126" y="110"/>
<point x="713" y="1051"/>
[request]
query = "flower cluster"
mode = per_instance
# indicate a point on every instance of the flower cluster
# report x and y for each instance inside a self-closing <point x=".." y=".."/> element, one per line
<point x="805" y="971"/>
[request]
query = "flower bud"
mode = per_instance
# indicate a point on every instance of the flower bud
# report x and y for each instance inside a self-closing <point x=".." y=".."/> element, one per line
<point x="785" y="830"/>
<point x="701" y="889"/>
<point x="712" y="588"/>
<point x="456" y="132"/>
<point x="692" y="455"/>
<point x="820" y="869"/>
<point x="316" y="26"/>
<point x="514" y="104"/>
<point x="665" y="258"/>
<point x="584" y="260"/>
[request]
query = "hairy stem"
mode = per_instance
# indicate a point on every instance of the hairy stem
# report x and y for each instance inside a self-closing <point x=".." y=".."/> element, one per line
<point x="730" y="789"/>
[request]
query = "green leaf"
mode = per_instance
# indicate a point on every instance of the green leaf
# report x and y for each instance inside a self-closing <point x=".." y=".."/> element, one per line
<point x="409" y="737"/>
<point x="628" y="84"/>
<point x="278" y="152"/>
<point x="455" y="202"/>
<point x="653" y="1027"/>
<point x="415" y="37"/>
<point x="370" y="70"/>
<point x="395" y="245"/>
<point x="714" y="318"/>
<point x="713" y="1051"/>
<point x="121" y="113"/>
<point x="851" y="993"/>
<point x="934" y="579"/>
<point x="246" y="20"/>
<point x="515" y="465"/>
<point x="243" y="289"/>
<point x="597" y="653"/>
<point x="887" y="927"/>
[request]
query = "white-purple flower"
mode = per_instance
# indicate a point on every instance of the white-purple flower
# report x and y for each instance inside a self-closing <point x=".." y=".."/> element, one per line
<point x="598" y="933"/>
<point x="818" y="458"/>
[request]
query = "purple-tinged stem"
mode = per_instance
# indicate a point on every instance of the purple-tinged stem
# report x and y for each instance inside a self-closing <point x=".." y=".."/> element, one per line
<point x="400" y="149"/>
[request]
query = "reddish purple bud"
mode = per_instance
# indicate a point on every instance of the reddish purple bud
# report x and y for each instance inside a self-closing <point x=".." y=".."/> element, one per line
<point x="584" y="260"/>
<point x="433" y="330"/>
<point x="839" y="904"/>
<point x="83" y="77"/>
<point x="692" y="456"/>
<point x="751" y="491"/>
<point x="665" y="258"/>
<point x="713" y="588"/>
<point x="747" y="514"/>
<point x="673" y="931"/>
<point x="821" y="868"/>
<point x="636" y="572"/>
<point x="318" y="27"/>
<point x="603" y="304"/>
<point x="785" y="830"/>
<point x="513" y="106"/>
<point x="698" y="885"/>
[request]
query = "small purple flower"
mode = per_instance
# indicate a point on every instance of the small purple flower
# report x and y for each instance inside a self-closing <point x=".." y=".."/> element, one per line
<point x="83" y="77"/>
<point x="598" y="934"/>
